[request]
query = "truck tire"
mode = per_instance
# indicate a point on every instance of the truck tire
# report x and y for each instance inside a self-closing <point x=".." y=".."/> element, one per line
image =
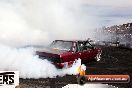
<point x="81" y="80"/>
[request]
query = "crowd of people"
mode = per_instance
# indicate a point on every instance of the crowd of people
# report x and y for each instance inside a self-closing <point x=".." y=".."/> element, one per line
<point x="122" y="32"/>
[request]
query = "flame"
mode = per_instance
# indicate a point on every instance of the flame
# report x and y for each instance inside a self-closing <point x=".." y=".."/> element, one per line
<point x="81" y="70"/>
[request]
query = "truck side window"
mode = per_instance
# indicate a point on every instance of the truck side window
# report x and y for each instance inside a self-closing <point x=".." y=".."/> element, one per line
<point x="75" y="48"/>
<point x="80" y="46"/>
<point x="89" y="46"/>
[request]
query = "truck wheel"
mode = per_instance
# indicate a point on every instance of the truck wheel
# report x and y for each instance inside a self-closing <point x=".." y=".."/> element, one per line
<point x="81" y="80"/>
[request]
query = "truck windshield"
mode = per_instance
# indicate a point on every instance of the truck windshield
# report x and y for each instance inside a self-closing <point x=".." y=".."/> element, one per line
<point x="61" y="45"/>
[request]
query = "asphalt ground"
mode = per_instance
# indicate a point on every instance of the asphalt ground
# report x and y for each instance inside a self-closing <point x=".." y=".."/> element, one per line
<point x="115" y="61"/>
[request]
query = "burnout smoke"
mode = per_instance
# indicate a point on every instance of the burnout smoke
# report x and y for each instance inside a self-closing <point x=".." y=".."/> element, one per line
<point x="29" y="22"/>
<point x="29" y="65"/>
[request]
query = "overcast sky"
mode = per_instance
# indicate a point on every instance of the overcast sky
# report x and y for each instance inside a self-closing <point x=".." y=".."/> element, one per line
<point x="109" y="12"/>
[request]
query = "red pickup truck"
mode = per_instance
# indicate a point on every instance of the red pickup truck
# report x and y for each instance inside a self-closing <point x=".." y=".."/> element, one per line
<point x="61" y="51"/>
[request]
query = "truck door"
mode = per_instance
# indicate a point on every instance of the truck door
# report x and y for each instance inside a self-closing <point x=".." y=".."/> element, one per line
<point x="72" y="55"/>
<point x="84" y="51"/>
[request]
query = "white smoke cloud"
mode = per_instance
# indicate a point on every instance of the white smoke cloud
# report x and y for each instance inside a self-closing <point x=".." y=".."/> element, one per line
<point x="31" y="22"/>
<point x="29" y="65"/>
<point x="28" y="27"/>
<point x="42" y="21"/>
<point x="14" y="31"/>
